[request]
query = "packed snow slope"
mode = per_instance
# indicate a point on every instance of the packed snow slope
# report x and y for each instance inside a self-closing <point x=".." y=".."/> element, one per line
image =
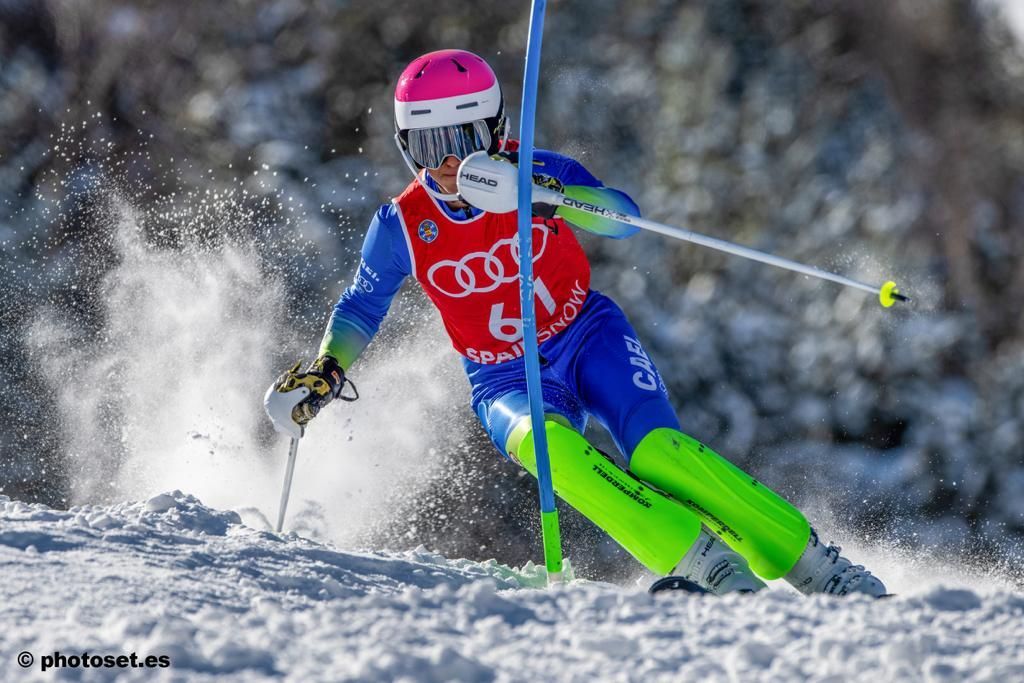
<point x="223" y="601"/>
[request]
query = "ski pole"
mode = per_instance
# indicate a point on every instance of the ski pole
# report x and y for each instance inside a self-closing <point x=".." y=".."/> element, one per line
<point x="489" y="184"/>
<point x="293" y="451"/>
<point x="888" y="294"/>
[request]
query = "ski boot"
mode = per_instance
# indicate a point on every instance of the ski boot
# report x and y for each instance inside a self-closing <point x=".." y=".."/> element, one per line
<point x="821" y="569"/>
<point x="716" y="567"/>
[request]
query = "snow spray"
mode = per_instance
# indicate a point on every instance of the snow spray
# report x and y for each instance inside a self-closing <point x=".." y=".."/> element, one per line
<point x="192" y="311"/>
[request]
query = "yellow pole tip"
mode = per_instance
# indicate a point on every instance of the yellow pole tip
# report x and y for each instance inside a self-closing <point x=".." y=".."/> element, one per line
<point x="887" y="294"/>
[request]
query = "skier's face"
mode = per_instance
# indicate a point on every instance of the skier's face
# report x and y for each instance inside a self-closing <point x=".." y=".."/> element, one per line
<point x="445" y="175"/>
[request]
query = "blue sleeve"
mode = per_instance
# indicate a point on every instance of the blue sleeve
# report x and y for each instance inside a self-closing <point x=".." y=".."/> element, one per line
<point x="384" y="266"/>
<point x="566" y="172"/>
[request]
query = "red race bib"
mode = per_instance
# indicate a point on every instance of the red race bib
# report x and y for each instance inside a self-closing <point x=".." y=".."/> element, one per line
<point x="470" y="270"/>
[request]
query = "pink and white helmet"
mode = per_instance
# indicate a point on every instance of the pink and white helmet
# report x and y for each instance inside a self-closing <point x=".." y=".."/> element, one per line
<point x="448" y="103"/>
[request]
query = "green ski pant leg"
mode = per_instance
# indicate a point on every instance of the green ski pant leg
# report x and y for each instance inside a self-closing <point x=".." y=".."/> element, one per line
<point x="751" y="518"/>
<point x="655" y="529"/>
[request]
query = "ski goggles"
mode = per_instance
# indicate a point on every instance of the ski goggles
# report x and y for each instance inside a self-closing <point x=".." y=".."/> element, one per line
<point x="429" y="147"/>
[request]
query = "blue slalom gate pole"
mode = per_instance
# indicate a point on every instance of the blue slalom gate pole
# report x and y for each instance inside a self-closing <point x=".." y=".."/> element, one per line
<point x="548" y="513"/>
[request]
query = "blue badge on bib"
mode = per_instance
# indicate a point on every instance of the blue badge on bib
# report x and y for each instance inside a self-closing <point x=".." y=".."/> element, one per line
<point x="428" y="231"/>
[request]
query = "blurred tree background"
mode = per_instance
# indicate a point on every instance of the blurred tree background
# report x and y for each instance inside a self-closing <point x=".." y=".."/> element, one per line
<point x="878" y="139"/>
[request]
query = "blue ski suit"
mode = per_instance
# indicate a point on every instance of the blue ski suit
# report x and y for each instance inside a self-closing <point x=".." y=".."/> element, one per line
<point x="595" y="367"/>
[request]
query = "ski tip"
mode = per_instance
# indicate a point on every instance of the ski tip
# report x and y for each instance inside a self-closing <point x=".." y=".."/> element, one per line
<point x="675" y="583"/>
<point x="890" y="294"/>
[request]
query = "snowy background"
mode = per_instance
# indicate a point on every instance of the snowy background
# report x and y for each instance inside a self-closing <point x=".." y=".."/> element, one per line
<point x="183" y="191"/>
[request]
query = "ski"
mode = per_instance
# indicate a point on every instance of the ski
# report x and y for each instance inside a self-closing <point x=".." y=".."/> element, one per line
<point x="675" y="583"/>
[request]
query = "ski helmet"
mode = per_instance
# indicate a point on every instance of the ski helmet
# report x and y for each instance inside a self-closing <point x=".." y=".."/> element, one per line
<point x="448" y="103"/>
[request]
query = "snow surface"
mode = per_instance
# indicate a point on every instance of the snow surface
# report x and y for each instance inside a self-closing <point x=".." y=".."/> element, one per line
<point x="225" y="601"/>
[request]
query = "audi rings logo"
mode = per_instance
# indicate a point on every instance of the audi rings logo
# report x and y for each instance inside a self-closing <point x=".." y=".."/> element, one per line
<point x="479" y="272"/>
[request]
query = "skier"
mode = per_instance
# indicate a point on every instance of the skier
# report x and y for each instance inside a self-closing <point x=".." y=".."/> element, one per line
<point x="680" y="508"/>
